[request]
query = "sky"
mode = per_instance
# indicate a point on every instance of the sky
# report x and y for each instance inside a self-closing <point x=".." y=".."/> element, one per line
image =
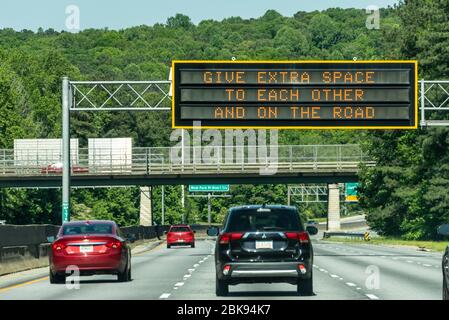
<point x="119" y="14"/>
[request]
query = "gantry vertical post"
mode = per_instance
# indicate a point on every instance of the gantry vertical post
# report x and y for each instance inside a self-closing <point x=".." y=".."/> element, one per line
<point x="66" y="101"/>
<point x="423" y="101"/>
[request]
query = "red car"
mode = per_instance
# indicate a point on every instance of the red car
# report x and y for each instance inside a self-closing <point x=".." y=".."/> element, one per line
<point x="180" y="234"/>
<point x="94" y="247"/>
<point x="56" y="168"/>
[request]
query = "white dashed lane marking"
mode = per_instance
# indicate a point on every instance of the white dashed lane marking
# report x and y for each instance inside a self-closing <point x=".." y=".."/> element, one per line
<point x="351" y="284"/>
<point x="165" y="295"/>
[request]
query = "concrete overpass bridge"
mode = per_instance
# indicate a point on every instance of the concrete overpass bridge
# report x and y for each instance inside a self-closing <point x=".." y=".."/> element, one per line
<point x="289" y="164"/>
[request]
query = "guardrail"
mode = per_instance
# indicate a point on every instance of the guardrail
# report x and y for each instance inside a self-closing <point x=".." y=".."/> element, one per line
<point x="201" y="159"/>
<point x="353" y="235"/>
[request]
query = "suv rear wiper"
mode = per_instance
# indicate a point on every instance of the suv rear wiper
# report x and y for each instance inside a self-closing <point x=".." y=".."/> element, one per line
<point x="273" y="228"/>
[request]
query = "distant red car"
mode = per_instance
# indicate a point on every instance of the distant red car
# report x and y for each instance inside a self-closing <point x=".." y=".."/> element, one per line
<point x="94" y="247"/>
<point x="56" y="168"/>
<point x="180" y="234"/>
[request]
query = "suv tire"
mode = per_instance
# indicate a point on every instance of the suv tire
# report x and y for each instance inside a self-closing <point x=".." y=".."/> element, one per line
<point x="445" y="290"/>
<point x="221" y="287"/>
<point x="305" y="286"/>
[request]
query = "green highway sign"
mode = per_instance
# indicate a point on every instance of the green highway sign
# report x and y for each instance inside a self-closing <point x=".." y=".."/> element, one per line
<point x="351" y="192"/>
<point x="209" y="188"/>
<point x="65" y="212"/>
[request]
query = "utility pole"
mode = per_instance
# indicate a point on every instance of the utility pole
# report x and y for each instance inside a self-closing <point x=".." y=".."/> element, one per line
<point x="182" y="186"/>
<point x="209" y="209"/>
<point x="183" y="204"/>
<point x="163" y="205"/>
<point x="209" y="202"/>
<point x="66" y="101"/>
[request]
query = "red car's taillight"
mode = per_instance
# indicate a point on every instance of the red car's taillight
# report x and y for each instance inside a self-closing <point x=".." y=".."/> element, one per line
<point x="114" y="244"/>
<point x="58" y="246"/>
<point x="225" y="238"/>
<point x="302" y="237"/>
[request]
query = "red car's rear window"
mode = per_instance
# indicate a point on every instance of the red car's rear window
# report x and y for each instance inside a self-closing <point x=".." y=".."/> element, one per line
<point x="179" y="229"/>
<point x="84" y="228"/>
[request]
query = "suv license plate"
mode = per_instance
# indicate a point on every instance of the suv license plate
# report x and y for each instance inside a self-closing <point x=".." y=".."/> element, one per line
<point x="84" y="249"/>
<point x="264" y="244"/>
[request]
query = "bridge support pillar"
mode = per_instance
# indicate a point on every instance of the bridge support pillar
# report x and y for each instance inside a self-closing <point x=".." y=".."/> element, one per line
<point x="333" y="207"/>
<point x="146" y="214"/>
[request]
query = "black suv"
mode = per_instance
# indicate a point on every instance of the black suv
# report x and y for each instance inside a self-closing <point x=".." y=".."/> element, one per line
<point x="265" y="244"/>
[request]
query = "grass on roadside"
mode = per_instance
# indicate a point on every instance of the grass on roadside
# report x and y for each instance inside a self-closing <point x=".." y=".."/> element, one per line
<point x="438" y="246"/>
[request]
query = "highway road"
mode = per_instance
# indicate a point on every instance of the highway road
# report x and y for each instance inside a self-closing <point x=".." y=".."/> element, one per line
<point x="341" y="271"/>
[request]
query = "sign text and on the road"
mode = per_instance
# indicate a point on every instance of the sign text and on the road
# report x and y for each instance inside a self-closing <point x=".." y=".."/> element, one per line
<point x="312" y="95"/>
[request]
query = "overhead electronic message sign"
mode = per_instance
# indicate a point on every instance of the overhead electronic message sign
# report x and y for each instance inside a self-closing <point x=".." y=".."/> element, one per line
<point x="295" y="94"/>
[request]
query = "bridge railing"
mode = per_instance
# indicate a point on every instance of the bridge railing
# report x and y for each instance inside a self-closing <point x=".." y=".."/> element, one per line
<point x="166" y="160"/>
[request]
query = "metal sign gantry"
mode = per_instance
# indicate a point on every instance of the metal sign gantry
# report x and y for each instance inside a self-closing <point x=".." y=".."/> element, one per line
<point x="105" y="96"/>
<point x="156" y="96"/>
<point x="434" y="103"/>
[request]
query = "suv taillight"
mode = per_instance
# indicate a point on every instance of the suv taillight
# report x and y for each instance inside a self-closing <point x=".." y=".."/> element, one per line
<point x="225" y="238"/>
<point x="302" y="237"/>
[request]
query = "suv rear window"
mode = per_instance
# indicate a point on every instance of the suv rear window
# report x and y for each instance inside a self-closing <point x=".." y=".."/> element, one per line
<point x="263" y="219"/>
<point x="179" y="229"/>
<point x="84" y="228"/>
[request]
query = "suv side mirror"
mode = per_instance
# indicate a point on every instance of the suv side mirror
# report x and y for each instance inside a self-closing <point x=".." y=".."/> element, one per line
<point x="443" y="230"/>
<point x="51" y="239"/>
<point x="212" y="231"/>
<point x="194" y="231"/>
<point x="165" y="232"/>
<point x="312" y="230"/>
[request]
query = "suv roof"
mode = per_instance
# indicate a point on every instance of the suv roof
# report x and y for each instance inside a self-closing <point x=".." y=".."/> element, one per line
<point x="268" y="206"/>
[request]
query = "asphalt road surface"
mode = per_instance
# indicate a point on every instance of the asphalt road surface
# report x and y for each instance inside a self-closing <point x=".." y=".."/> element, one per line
<point x="341" y="271"/>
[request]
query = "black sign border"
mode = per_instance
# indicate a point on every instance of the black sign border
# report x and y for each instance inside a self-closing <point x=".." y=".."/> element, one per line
<point x="411" y="65"/>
